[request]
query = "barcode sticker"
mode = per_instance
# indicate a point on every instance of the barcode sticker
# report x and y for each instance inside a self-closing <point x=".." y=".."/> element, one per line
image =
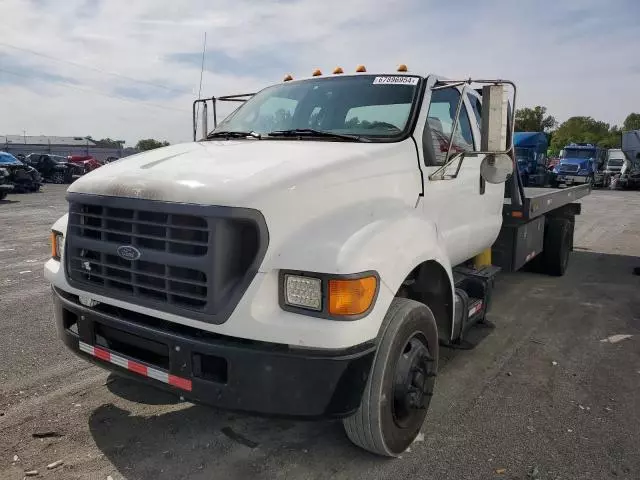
<point x="397" y="80"/>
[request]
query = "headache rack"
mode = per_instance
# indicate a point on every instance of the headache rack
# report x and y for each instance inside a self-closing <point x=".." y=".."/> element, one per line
<point x="241" y="98"/>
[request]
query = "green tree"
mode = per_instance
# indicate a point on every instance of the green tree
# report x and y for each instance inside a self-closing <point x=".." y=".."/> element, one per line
<point x="150" y="144"/>
<point x="613" y="139"/>
<point x="534" y="120"/>
<point x="580" y="130"/>
<point x="632" y="122"/>
<point x="109" y="143"/>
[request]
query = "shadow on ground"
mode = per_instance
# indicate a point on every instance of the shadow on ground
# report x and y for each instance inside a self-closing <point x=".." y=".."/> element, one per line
<point x="180" y="440"/>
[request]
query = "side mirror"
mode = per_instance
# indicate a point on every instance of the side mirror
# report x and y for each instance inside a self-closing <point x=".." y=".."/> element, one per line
<point x="496" y="168"/>
<point x="495" y="120"/>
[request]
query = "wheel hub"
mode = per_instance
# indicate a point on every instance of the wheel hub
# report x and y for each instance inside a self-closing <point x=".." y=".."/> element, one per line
<point x="413" y="381"/>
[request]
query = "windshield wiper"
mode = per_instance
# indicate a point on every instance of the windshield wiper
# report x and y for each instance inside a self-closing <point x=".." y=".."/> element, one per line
<point x="233" y="134"/>
<point x="310" y="132"/>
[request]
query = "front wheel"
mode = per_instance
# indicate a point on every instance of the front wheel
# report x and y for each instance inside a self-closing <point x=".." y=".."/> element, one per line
<point x="58" y="178"/>
<point x="400" y="385"/>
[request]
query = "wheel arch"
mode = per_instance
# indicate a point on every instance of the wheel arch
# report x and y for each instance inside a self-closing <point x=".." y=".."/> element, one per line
<point x="430" y="283"/>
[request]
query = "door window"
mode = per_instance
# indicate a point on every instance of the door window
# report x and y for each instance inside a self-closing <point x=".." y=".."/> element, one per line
<point x="437" y="130"/>
<point x="476" y="107"/>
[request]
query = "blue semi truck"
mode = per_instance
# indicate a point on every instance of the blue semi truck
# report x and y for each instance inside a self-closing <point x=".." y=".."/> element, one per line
<point x="581" y="163"/>
<point x="531" y="155"/>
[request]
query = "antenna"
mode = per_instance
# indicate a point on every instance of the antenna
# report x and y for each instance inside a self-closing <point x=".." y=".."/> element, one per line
<point x="204" y="50"/>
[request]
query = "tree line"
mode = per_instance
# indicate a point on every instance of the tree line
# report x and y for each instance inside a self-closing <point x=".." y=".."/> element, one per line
<point x="142" y="145"/>
<point x="575" y="129"/>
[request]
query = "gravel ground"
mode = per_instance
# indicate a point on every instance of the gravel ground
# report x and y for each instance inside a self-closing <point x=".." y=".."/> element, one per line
<point x="541" y="396"/>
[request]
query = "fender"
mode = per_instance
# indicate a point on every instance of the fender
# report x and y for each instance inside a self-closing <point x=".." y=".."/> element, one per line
<point x="384" y="236"/>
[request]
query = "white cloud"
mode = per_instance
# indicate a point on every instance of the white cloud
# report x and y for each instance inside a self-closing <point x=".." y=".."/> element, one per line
<point x="575" y="58"/>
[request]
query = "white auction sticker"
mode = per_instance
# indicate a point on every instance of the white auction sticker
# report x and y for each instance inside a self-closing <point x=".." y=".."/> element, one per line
<point x="397" y="80"/>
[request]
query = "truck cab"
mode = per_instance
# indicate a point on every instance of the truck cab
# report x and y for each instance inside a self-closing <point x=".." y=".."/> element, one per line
<point x="615" y="161"/>
<point x="308" y="256"/>
<point x="531" y="155"/>
<point x="581" y="163"/>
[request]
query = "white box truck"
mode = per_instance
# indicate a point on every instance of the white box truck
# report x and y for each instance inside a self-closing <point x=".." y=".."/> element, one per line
<point x="308" y="256"/>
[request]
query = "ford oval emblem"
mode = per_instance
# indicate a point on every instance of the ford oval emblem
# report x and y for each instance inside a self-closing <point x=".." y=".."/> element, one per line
<point x="128" y="252"/>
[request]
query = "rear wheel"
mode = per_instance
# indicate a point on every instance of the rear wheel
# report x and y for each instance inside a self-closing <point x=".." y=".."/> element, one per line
<point x="558" y="243"/>
<point x="400" y="385"/>
<point x="3" y="195"/>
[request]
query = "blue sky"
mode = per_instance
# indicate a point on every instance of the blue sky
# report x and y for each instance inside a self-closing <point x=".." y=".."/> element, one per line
<point x="131" y="69"/>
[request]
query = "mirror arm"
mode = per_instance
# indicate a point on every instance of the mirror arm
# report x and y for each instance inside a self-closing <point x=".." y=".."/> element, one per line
<point x="440" y="171"/>
<point x="456" y="122"/>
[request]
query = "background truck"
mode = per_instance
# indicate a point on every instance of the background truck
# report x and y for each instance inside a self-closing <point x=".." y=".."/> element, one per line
<point x="309" y="256"/>
<point x="630" y="171"/>
<point x="581" y="163"/>
<point x="531" y="155"/>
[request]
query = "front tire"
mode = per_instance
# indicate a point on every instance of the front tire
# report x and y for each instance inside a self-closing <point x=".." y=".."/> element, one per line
<point x="58" y="178"/>
<point x="400" y="385"/>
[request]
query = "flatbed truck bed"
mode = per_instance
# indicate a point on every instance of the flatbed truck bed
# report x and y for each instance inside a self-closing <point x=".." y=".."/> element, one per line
<point x="540" y="229"/>
<point x="540" y="200"/>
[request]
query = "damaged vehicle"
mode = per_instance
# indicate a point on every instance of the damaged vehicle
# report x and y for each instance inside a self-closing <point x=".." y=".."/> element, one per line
<point x="23" y="177"/>
<point x="5" y="186"/>
<point x="54" y="168"/>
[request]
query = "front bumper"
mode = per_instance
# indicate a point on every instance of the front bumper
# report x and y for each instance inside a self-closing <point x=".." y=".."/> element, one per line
<point x="218" y="370"/>
<point x="6" y="188"/>
<point x="571" y="179"/>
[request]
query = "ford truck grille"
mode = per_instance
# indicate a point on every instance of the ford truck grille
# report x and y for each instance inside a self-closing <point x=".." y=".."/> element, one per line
<point x="568" y="168"/>
<point x="191" y="260"/>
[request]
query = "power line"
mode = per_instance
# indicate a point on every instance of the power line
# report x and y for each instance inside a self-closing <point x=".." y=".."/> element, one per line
<point x="95" y="92"/>
<point x="96" y="69"/>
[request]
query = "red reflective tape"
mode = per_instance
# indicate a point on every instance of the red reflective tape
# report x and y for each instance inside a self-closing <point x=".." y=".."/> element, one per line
<point x="137" y="367"/>
<point x="102" y="354"/>
<point x="182" y="383"/>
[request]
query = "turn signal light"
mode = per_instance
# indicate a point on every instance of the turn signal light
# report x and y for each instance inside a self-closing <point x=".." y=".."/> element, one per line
<point x="361" y="68"/>
<point x="351" y="297"/>
<point x="317" y="72"/>
<point x="56" y="244"/>
<point x="287" y="78"/>
<point x="402" y="68"/>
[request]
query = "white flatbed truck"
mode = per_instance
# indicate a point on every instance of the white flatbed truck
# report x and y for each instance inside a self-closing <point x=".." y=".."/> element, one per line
<point x="308" y="256"/>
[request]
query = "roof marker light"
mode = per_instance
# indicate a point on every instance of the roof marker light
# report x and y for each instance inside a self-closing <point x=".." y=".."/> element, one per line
<point x="361" y="68"/>
<point x="287" y="78"/>
<point x="338" y="70"/>
<point x="317" y="72"/>
<point x="402" y="68"/>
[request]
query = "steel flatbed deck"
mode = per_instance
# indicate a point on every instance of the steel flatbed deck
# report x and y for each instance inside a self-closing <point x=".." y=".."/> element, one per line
<point x="540" y="200"/>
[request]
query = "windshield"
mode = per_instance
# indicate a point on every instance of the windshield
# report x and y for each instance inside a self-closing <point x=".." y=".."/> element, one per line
<point x="362" y="105"/>
<point x="615" y="162"/>
<point x="523" y="154"/>
<point x="578" y="153"/>
<point x="7" y="158"/>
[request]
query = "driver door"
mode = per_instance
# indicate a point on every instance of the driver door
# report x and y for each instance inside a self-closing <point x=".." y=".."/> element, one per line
<point x="457" y="202"/>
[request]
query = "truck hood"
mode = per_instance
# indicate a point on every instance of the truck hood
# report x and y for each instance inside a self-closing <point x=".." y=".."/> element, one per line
<point x="225" y="172"/>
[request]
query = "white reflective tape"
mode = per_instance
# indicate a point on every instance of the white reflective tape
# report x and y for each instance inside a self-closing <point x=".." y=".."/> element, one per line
<point x="85" y="347"/>
<point x="158" y="375"/>
<point x="121" y="362"/>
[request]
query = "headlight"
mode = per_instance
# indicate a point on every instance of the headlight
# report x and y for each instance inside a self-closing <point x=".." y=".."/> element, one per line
<point x="329" y="296"/>
<point x="4" y="172"/>
<point x="57" y="241"/>
<point x="303" y="292"/>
